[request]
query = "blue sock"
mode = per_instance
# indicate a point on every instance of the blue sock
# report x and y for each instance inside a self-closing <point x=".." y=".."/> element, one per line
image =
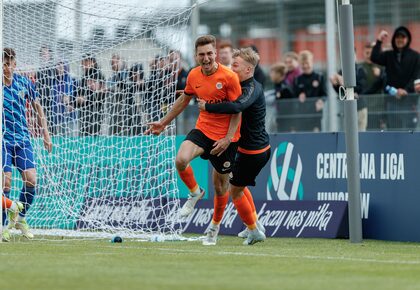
<point x="26" y="197"/>
<point x="6" y="194"/>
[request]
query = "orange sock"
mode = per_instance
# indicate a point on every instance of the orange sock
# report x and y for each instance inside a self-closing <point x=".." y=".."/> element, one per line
<point x="248" y="195"/>
<point x="5" y="202"/>
<point x="245" y="211"/>
<point x="187" y="176"/>
<point x="220" y="202"/>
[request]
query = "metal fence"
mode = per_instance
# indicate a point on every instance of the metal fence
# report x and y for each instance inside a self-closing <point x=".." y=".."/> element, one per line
<point x="384" y="113"/>
<point x="278" y="26"/>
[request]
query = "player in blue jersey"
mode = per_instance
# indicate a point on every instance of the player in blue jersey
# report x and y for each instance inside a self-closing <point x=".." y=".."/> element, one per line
<point x="16" y="146"/>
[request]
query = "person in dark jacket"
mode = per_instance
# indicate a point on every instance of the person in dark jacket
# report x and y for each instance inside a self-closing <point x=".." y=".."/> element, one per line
<point x="285" y="98"/>
<point x="402" y="65"/>
<point x="309" y="87"/>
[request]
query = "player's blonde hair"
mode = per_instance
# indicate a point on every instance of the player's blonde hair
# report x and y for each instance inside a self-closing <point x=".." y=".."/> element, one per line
<point x="248" y="55"/>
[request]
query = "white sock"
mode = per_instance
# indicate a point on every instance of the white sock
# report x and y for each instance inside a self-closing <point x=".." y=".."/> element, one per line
<point x="195" y="192"/>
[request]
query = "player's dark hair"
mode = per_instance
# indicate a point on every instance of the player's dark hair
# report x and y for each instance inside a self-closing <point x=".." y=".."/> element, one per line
<point x="9" y="53"/>
<point x="204" y="40"/>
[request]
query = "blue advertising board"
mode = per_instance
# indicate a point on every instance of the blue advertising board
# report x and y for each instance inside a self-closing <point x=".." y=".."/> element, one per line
<point x="312" y="167"/>
<point x="305" y="219"/>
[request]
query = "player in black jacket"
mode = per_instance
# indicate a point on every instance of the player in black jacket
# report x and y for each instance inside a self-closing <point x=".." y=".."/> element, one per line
<point x="254" y="147"/>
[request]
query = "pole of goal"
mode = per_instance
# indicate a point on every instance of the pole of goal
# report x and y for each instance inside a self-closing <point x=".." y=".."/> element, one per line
<point x="1" y="116"/>
<point x="350" y="120"/>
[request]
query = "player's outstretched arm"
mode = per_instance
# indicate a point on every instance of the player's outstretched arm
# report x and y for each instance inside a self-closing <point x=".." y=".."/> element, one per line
<point x="180" y="104"/>
<point x="222" y="144"/>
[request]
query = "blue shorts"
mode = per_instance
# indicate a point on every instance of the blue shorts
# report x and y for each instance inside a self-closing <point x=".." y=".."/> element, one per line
<point x="19" y="155"/>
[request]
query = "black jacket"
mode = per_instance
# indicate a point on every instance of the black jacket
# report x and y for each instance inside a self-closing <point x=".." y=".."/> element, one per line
<point x="400" y="74"/>
<point x="283" y="91"/>
<point x="252" y="105"/>
<point x="312" y="85"/>
<point x="259" y="75"/>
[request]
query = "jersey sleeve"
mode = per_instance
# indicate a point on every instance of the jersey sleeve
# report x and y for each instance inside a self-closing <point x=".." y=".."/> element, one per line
<point x="234" y="88"/>
<point x="248" y="97"/>
<point x="189" y="88"/>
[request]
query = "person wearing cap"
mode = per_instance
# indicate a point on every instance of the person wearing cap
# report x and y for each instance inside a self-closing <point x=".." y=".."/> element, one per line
<point x="402" y="66"/>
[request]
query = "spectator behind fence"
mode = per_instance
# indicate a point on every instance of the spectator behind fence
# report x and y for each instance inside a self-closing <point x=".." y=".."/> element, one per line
<point x="309" y="87"/>
<point x="259" y="75"/>
<point x="373" y="80"/>
<point x="91" y="97"/>
<point x="175" y="60"/>
<point x="64" y="117"/>
<point x="119" y="103"/>
<point x="282" y="89"/>
<point x="402" y="65"/>
<point x="136" y="91"/>
<point x="155" y="88"/>
<point x="291" y="59"/>
<point x="225" y="53"/>
<point x="285" y="106"/>
<point x="44" y="81"/>
<point x="362" y="87"/>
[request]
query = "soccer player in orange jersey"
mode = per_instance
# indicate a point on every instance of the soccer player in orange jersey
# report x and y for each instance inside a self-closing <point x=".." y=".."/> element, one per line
<point x="254" y="146"/>
<point x="215" y="135"/>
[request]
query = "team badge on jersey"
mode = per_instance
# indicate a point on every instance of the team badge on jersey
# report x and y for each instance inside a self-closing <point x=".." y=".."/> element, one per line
<point x="315" y="83"/>
<point x="226" y="164"/>
<point x="219" y="85"/>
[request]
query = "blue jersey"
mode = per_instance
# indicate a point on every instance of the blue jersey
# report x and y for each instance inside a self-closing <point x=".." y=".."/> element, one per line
<point x="15" y="126"/>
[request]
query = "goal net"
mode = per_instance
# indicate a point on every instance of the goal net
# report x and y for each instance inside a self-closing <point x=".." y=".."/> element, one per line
<point x="102" y="70"/>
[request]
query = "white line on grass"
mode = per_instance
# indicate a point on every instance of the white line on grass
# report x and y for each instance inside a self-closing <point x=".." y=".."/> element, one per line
<point x="249" y="254"/>
<point x="228" y="253"/>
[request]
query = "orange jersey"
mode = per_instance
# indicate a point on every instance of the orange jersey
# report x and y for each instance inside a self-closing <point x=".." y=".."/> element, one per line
<point x="221" y="86"/>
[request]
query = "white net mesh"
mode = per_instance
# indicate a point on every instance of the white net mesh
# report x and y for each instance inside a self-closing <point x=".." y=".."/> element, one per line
<point x="102" y="71"/>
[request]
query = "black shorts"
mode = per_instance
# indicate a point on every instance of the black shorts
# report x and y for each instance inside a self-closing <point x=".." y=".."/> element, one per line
<point x="223" y="163"/>
<point x="247" y="167"/>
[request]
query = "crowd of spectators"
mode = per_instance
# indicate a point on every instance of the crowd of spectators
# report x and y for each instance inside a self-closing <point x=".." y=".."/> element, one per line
<point x="385" y="87"/>
<point x="388" y="84"/>
<point x="121" y="104"/>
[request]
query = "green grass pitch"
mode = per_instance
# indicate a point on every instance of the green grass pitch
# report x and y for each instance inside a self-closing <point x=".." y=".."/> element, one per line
<point x="274" y="264"/>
